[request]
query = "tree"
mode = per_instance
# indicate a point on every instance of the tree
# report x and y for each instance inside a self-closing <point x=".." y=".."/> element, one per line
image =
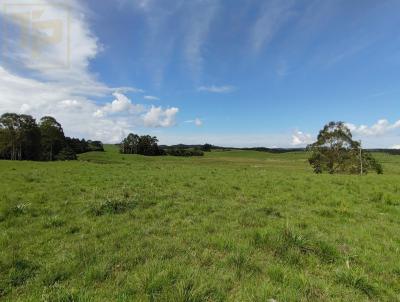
<point x="148" y="145"/>
<point x="22" y="139"/>
<point x="130" y="144"/>
<point x="28" y="138"/>
<point x="9" y="125"/>
<point x="19" y="137"/>
<point x="53" y="139"/>
<point x="144" y="145"/>
<point x="335" y="151"/>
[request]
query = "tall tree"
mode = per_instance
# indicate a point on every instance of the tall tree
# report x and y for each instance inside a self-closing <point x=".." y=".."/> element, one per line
<point x="53" y="139"/>
<point x="335" y="151"/>
<point x="9" y="123"/>
<point x="28" y="138"/>
<point x="19" y="137"/>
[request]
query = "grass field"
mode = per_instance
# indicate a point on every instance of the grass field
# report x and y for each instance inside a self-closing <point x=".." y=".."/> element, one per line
<point x="230" y="226"/>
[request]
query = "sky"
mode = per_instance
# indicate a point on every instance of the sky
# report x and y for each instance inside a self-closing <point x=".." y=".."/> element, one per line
<point x="240" y="73"/>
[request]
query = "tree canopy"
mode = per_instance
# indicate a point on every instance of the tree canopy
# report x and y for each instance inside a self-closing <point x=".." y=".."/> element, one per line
<point x="148" y="145"/>
<point x="144" y="145"/>
<point x="53" y="139"/>
<point x="335" y="151"/>
<point x="21" y="138"/>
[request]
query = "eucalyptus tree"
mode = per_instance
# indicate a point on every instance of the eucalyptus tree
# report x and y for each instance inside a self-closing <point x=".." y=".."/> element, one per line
<point x="9" y="125"/>
<point x="29" y="138"/>
<point x="335" y="151"/>
<point x="19" y="137"/>
<point x="52" y="137"/>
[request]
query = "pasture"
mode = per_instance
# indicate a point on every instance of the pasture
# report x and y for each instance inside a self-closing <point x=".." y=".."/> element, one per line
<point x="229" y="226"/>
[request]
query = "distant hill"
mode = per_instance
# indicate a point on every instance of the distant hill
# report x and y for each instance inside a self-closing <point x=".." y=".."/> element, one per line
<point x="264" y="149"/>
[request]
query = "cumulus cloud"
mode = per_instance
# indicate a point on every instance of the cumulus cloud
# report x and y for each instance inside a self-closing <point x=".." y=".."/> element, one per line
<point x="396" y="147"/>
<point x="121" y="104"/>
<point x="69" y="94"/>
<point x="300" y="138"/>
<point x="217" y="89"/>
<point x="159" y="117"/>
<point x="380" y="128"/>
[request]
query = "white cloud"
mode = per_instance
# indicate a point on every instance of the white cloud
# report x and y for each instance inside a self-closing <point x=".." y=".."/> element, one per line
<point x="382" y="134"/>
<point x="198" y="26"/>
<point x="217" y="89"/>
<point x="128" y="89"/>
<point x="66" y="104"/>
<point x="197" y="122"/>
<point x="68" y="93"/>
<point x="158" y="117"/>
<point x="380" y="128"/>
<point x="396" y="147"/>
<point x="300" y="138"/>
<point x="121" y="104"/>
<point x="151" y="98"/>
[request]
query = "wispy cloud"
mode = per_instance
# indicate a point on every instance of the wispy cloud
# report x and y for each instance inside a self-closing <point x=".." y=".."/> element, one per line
<point x="273" y="16"/>
<point x="217" y="89"/>
<point x="197" y="122"/>
<point x="151" y="98"/>
<point x="191" y="22"/>
<point x="198" y="24"/>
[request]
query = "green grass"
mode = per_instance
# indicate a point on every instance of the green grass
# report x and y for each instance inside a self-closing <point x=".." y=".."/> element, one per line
<point x="229" y="226"/>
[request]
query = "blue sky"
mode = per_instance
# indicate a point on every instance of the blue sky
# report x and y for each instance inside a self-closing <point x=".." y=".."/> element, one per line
<point x="237" y="73"/>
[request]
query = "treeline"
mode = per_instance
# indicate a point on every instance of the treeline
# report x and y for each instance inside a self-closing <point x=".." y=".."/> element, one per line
<point x="275" y="150"/>
<point x="209" y="147"/>
<point x="389" y="151"/>
<point x="184" y="152"/>
<point x="205" y="148"/>
<point x="82" y="146"/>
<point x="21" y="138"/>
<point x="148" y="145"/>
